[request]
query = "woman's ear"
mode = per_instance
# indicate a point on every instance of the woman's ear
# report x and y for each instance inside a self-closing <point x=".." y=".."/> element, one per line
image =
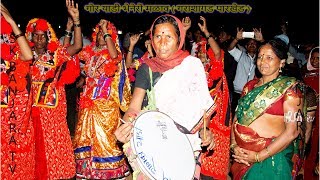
<point x="282" y="63"/>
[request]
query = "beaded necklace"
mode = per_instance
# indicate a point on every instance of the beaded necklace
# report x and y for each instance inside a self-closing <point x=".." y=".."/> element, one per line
<point x="103" y="60"/>
<point x="96" y="62"/>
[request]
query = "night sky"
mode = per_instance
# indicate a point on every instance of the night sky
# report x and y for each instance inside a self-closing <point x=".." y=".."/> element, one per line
<point x="265" y="14"/>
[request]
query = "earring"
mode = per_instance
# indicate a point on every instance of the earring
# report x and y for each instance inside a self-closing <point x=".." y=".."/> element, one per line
<point x="280" y="70"/>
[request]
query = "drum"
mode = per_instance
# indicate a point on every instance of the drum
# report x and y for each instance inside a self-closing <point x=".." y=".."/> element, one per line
<point x="159" y="149"/>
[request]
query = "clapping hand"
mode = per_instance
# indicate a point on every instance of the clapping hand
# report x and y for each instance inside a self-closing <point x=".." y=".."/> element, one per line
<point x="203" y="26"/>
<point x="186" y="22"/>
<point x="104" y="25"/>
<point x="69" y="24"/>
<point x="73" y="10"/>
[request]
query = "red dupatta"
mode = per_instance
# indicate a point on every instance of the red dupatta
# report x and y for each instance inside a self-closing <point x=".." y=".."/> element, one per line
<point x="161" y="65"/>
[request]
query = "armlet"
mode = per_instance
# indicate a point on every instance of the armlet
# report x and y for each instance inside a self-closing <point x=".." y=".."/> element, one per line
<point x="292" y="93"/>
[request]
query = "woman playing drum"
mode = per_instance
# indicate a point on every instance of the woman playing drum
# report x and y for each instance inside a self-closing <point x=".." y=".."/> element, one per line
<point x="175" y="84"/>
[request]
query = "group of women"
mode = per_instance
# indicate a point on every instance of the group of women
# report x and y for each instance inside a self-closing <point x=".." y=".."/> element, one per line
<point x="35" y="140"/>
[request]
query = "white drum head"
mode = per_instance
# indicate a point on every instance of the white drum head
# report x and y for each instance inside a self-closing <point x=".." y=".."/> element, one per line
<point x="163" y="152"/>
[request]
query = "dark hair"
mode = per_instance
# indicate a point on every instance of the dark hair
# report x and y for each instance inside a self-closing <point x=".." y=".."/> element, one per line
<point x="126" y="40"/>
<point x="167" y="19"/>
<point x="315" y="49"/>
<point x="229" y="30"/>
<point x="279" y="47"/>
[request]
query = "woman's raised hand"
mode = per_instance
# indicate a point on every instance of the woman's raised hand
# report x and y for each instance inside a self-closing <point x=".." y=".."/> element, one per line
<point x="103" y="24"/>
<point x="134" y="39"/>
<point x="69" y="24"/>
<point x="203" y="26"/>
<point x="73" y="10"/>
<point x="6" y="14"/>
<point x="186" y="22"/>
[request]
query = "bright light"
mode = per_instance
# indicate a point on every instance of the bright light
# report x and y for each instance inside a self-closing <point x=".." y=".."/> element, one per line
<point x="119" y="32"/>
<point x="59" y="26"/>
<point x="18" y="25"/>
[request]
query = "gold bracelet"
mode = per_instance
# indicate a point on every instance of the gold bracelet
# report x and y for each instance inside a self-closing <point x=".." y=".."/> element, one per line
<point x="233" y="145"/>
<point x="269" y="155"/>
<point x="257" y="157"/>
<point x="68" y="33"/>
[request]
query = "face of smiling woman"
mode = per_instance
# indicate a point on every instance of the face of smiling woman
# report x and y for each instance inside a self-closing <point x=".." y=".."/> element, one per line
<point x="268" y="62"/>
<point x="314" y="59"/>
<point x="165" y="40"/>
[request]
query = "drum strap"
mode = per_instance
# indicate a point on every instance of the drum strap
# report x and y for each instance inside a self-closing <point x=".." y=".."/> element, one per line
<point x="152" y="106"/>
<point x="196" y="128"/>
<point x="151" y="95"/>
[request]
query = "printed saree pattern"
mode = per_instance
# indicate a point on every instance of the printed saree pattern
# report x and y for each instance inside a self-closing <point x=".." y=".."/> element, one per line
<point x="251" y="106"/>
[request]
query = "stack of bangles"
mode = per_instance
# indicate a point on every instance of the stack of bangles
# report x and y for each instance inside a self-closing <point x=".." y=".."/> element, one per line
<point x="18" y="35"/>
<point x="106" y="35"/>
<point x="68" y="33"/>
<point x="269" y="155"/>
<point x="257" y="157"/>
<point x="232" y="146"/>
<point x="208" y="37"/>
<point x="76" y="22"/>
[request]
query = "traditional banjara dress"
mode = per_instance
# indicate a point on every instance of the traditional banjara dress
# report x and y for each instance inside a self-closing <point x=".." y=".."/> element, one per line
<point x="17" y="136"/>
<point x="54" y="152"/>
<point x="255" y="101"/>
<point x="106" y="91"/>
<point x="311" y="78"/>
<point x="50" y="72"/>
<point x="215" y="163"/>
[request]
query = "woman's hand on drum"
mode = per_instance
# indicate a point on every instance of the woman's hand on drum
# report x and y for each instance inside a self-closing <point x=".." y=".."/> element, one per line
<point x="124" y="132"/>
<point x="243" y="156"/>
<point x="207" y="139"/>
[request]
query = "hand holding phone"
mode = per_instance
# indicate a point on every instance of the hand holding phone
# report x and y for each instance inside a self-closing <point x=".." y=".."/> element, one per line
<point x="248" y="35"/>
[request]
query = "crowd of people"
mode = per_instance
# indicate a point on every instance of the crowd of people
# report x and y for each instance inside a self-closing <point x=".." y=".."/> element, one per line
<point x="248" y="106"/>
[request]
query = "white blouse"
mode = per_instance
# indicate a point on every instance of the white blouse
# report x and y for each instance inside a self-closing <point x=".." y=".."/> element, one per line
<point x="183" y="94"/>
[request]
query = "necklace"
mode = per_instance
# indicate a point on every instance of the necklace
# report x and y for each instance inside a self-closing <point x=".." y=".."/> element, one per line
<point x="100" y="58"/>
<point x="94" y="68"/>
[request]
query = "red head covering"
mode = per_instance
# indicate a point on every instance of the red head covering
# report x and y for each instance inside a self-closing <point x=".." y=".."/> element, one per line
<point x="37" y="24"/>
<point x="161" y="65"/>
<point x="112" y="30"/>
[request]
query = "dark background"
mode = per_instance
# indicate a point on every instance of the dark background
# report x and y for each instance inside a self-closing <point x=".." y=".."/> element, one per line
<point x="302" y="16"/>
